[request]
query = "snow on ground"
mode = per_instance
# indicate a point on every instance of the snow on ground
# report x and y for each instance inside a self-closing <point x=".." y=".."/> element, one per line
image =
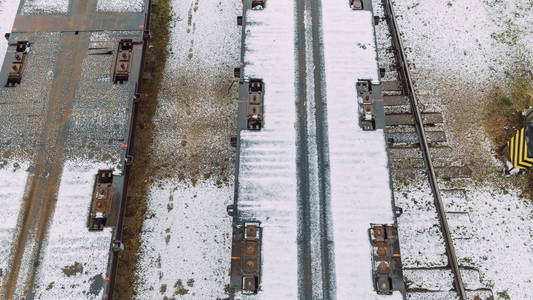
<point x="421" y="241"/>
<point x="13" y="177"/>
<point x="74" y="258"/>
<point x="187" y="245"/>
<point x="432" y="296"/>
<point x="474" y="40"/>
<point x="45" y="7"/>
<point x="133" y="6"/>
<point x="431" y="279"/>
<point x="186" y="238"/>
<point x="8" y="12"/>
<point x="360" y="190"/>
<point x="502" y="246"/>
<point x="460" y="51"/>
<point x="267" y="175"/>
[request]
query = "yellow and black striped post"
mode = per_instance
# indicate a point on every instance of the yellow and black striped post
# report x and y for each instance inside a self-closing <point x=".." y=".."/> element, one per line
<point x="518" y="153"/>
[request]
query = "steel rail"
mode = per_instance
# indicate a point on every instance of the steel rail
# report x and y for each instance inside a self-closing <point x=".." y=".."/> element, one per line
<point x="408" y="88"/>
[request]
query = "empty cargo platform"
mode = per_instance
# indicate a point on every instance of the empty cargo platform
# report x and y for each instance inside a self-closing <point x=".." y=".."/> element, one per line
<point x="68" y="91"/>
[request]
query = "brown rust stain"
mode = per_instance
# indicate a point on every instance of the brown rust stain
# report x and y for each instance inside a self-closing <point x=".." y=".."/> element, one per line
<point x="41" y="192"/>
<point x="73" y="269"/>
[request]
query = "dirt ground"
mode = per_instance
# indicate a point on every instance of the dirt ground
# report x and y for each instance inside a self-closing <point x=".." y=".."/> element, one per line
<point x="478" y="126"/>
<point x="196" y="132"/>
<point x="144" y="129"/>
<point x="182" y="132"/>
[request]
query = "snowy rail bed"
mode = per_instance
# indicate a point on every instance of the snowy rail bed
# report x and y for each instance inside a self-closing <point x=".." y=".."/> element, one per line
<point x="13" y="177"/>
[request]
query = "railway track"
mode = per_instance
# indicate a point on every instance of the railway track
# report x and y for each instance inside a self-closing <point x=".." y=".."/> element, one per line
<point x="418" y="151"/>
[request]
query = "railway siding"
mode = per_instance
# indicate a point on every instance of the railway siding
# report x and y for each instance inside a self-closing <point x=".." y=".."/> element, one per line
<point x="407" y="88"/>
<point x="433" y="217"/>
<point x="482" y="57"/>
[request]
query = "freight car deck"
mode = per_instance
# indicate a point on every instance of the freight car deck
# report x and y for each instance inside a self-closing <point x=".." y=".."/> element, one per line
<point x="68" y="88"/>
<point x="313" y="186"/>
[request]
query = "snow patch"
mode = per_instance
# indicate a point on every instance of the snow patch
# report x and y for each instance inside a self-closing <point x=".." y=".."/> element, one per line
<point x="186" y="238"/>
<point x="73" y="258"/>
<point x="8" y="12"/>
<point x="186" y="244"/>
<point x="45" y="7"/>
<point x="130" y="6"/>
<point x="502" y="245"/>
<point x="13" y="176"/>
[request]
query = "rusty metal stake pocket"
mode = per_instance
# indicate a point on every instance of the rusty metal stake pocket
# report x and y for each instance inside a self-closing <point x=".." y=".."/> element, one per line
<point x="16" y="54"/>
<point x="246" y="257"/>
<point x="386" y="260"/>
<point x="123" y="61"/>
<point x="366" y="113"/>
<point x="101" y="200"/>
<point x="254" y="108"/>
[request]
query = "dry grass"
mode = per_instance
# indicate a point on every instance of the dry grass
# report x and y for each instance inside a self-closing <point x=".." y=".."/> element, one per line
<point x="503" y="115"/>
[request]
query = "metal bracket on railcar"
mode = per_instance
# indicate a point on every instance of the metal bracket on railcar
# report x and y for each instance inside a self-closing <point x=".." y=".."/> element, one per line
<point x="258" y="4"/>
<point x="356" y="4"/>
<point x="367" y="115"/>
<point x="101" y="200"/>
<point x="398" y="211"/>
<point x="139" y="98"/>
<point x="382" y="72"/>
<point x="123" y="61"/>
<point x="147" y="35"/>
<point x="117" y="246"/>
<point x="254" y="108"/>
<point x="246" y="257"/>
<point x="230" y="209"/>
<point x="16" y="54"/>
<point x="233" y="141"/>
<point x="386" y="260"/>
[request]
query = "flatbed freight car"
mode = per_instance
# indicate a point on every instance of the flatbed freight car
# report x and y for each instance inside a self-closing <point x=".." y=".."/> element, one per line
<point x="313" y="216"/>
<point x="69" y="86"/>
